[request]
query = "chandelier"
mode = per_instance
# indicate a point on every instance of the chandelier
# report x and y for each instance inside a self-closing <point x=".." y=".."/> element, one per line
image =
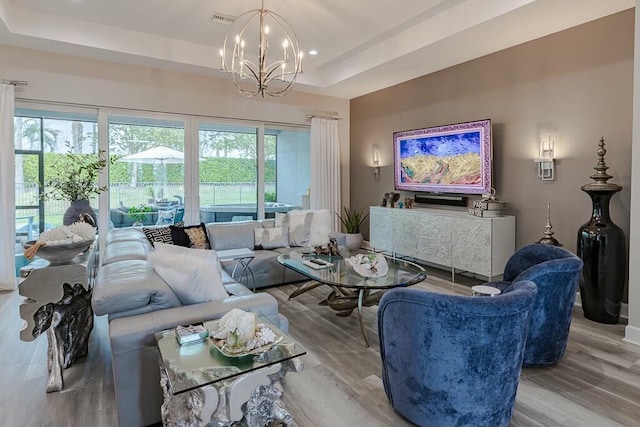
<point x="265" y="68"/>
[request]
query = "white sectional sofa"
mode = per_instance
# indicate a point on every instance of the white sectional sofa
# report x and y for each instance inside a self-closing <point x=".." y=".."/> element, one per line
<point x="266" y="269"/>
<point x="139" y="303"/>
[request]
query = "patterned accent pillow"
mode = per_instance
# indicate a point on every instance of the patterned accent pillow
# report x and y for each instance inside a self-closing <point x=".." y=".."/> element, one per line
<point x="166" y="216"/>
<point x="193" y="236"/>
<point x="158" y="234"/>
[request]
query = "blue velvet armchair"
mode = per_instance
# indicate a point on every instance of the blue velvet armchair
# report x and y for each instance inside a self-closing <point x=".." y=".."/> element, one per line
<point x="556" y="273"/>
<point x="450" y="360"/>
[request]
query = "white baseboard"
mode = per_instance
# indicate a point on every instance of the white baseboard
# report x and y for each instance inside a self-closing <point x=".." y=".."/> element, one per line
<point x="632" y="335"/>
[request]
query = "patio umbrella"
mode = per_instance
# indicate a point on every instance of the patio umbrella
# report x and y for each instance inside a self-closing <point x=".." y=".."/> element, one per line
<point x="158" y="156"/>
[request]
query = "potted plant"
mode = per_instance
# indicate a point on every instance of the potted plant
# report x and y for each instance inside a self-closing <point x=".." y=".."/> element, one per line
<point x="76" y="180"/>
<point x="139" y="214"/>
<point x="352" y="221"/>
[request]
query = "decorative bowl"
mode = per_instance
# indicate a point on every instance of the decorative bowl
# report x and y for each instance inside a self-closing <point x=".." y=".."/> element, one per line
<point x="62" y="254"/>
<point x="369" y="266"/>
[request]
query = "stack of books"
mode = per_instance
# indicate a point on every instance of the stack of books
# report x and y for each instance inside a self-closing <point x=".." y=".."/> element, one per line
<point x="487" y="208"/>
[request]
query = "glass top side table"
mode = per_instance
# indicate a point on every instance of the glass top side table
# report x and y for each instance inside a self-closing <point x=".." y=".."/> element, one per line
<point x="230" y="389"/>
<point x="243" y="258"/>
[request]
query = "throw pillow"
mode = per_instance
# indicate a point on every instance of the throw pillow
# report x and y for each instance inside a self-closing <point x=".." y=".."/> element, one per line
<point x="166" y="216"/>
<point x="269" y="238"/>
<point x="158" y="234"/>
<point x="299" y="227"/>
<point x="320" y="227"/>
<point x="206" y="254"/>
<point x="193" y="236"/>
<point x="282" y="220"/>
<point x="189" y="277"/>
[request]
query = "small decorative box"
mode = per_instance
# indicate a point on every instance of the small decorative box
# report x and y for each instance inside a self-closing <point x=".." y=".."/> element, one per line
<point x="491" y="205"/>
<point x="487" y="208"/>
<point x="191" y="334"/>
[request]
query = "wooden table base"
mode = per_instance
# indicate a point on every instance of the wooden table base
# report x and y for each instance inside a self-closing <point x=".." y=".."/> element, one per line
<point x="345" y="300"/>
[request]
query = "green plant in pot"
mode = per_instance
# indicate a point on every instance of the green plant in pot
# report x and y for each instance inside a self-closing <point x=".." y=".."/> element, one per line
<point x="139" y="214"/>
<point x="76" y="180"/>
<point x="352" y="221"/>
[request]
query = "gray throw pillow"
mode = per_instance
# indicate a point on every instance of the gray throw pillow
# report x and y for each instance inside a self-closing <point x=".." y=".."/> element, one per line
<point x="269" y="238"/>
<point x="299" y="227"/>
<point x="193" y="279"/>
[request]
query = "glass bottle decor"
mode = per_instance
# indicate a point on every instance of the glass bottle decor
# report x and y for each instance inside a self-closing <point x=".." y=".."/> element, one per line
<point x="602" y="248"/>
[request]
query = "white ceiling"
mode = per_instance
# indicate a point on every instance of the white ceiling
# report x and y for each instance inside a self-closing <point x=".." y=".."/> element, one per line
<point x="364" y="45"/>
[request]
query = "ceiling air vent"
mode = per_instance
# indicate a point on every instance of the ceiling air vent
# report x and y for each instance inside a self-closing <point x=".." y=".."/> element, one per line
<point x="222" y="18"/>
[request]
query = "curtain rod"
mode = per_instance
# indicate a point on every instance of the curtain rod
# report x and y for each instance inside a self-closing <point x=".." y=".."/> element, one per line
<point x="311" y="116"/>
<point x="13" y="82"/>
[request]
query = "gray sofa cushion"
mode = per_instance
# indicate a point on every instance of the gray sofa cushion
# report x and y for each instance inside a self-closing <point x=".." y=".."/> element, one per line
<point x="125" y="234"/>
<point x="236" y="289"/>
<point x="129" y="285"/>
<point x="125" y="250"/>
<point x="237" y="235"/>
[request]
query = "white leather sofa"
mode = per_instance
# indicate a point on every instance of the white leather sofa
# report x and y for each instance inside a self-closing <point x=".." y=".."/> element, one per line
<point x="139" y="303"/>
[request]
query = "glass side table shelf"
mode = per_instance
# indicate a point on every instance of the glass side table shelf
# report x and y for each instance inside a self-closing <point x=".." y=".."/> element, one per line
<point x="199" y="381"/>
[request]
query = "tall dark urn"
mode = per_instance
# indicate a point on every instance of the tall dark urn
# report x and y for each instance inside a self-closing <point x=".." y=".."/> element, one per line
<point x="77" y="208"/>
<point x="602" y="248"/>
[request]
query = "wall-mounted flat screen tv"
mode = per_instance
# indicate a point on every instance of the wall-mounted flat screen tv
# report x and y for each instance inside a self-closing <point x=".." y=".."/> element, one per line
<point x="444" y="159"/>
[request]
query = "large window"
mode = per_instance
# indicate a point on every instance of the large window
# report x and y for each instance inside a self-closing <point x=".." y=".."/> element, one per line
<point x="229" y="176"/>
<point x="42" y="137"/>
<point x="146" y="183"/>
<point x="215" y="171"/>
<point x="288" y="151"/>
<point x="41" y="140"/>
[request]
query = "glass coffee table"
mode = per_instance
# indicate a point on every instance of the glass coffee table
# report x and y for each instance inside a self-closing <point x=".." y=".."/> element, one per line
<point x="200" y="383"/>
<point x="351" y="291"/>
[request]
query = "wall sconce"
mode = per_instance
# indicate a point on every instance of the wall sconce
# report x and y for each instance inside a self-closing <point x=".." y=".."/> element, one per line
<point x="376" y="165"/>
<point x="545" y="160"/>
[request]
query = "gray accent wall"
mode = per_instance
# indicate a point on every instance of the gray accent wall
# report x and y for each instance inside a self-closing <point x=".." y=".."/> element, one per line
<point x="575" y="85"/>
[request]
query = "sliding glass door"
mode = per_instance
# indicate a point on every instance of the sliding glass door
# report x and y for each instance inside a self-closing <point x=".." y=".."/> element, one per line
<point x="228" y="173"/>
<point x="287" y="166"/>
<point x="147" y="180"/>
<point x="248" y="173"/>
<point x="169" y="167"/>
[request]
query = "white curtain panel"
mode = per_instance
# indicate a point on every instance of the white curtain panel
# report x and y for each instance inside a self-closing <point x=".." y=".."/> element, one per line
<point x="325" y="167"/>
<point x="7" y="189"/>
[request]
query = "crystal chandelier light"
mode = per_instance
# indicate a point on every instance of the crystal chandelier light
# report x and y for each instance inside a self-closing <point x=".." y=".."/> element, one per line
<point x="271" y="66"/>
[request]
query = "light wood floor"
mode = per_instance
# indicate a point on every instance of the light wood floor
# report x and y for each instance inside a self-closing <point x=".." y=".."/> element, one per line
<point x="596" y="384"/>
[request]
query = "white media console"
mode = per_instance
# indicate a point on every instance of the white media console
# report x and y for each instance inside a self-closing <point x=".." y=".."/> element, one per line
<point x="445" y="238"/>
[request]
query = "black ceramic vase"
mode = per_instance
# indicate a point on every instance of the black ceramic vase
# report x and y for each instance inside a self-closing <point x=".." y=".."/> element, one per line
<point x="76" y="209"/>
<point x="602" y="248"/>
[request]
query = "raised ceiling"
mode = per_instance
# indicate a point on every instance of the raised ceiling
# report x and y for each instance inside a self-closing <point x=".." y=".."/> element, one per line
<point x="363" y="45"/>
